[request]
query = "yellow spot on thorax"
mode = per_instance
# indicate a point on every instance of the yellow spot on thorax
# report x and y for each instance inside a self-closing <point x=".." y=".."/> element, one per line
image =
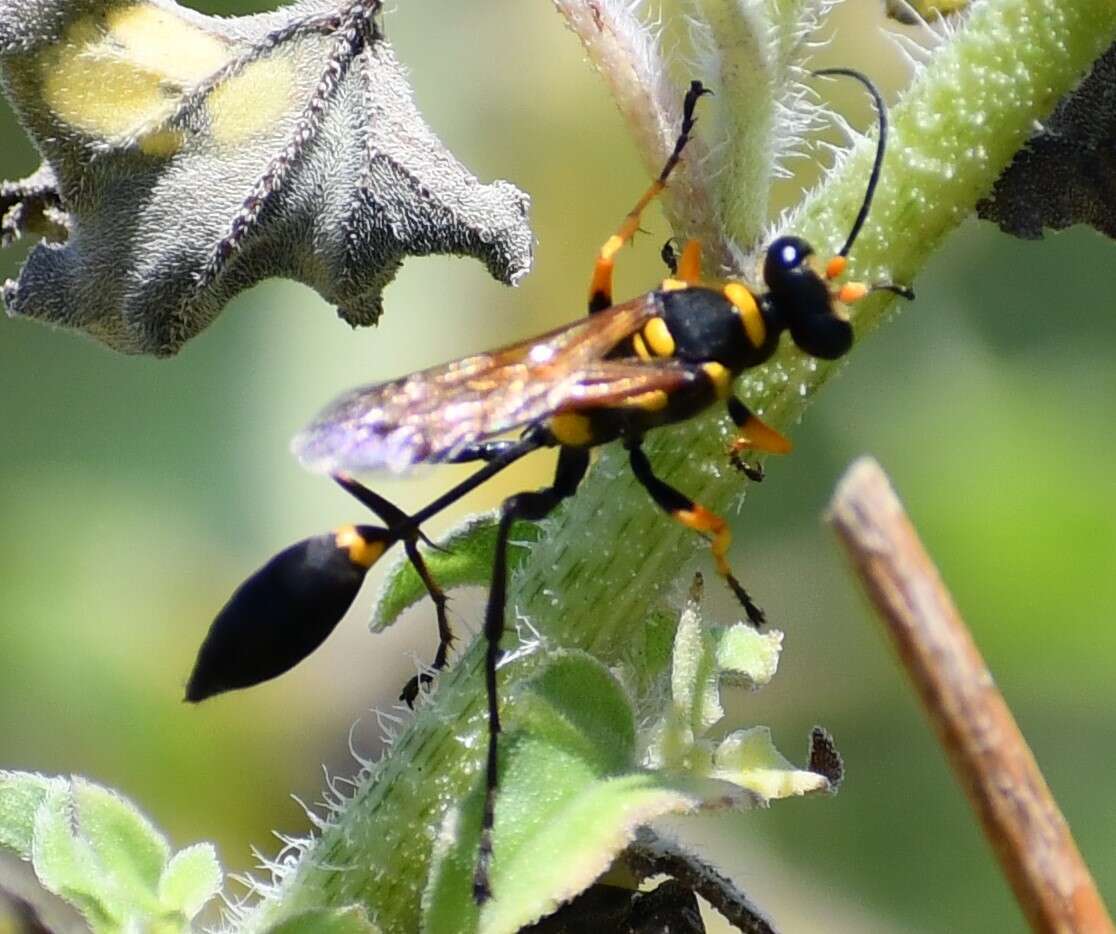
<point x="640" y="347"/>
<point x="571" y="429"/>
<point x="653" y="401"/>
<point x="745" y="303"/>
<point x="362" y="551"/>
<point x="720" y="377"/>
<point x="658" y="337"/>
<point x="673" y="285"/>
<point x="116" y="75"/>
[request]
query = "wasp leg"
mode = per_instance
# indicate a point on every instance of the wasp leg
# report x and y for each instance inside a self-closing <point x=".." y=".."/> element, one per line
<point x="446" y="637"/>
<point x="689" y="263"/>
<point x="600" y="286"/>
<point x="398" y="521"/>
<point x="535" y="505"/>
<point x="694" y="516"/>
<point x="482" y="451"/>
<point x="499" y="455"/>
<point x="753" y="435"/>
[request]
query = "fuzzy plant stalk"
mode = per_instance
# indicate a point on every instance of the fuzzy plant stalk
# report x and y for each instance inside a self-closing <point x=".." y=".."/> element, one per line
<point x="604" y="564"/>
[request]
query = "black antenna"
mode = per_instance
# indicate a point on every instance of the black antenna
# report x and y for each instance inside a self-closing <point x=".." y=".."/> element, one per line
<point x="876" y="165"/>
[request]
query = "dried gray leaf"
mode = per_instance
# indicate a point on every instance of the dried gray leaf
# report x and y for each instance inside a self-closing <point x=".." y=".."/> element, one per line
<point x="188" y="157"/>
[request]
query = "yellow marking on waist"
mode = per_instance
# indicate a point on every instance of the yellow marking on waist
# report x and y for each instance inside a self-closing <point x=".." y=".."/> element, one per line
<point x="361" y="551"/>
<point x="745" y="303"/>
<point x="571" y="429"/>
<point x="720" y="377"/>
<point x="673" y="285"/>
<point x="658" y="337"/>
<point x="652" y="401"/>
<point x="640" y="347"/>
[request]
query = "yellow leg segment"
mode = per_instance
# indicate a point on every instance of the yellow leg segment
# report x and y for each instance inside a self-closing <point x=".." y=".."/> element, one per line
<point x="600" y="286"/>
<point x="693" y="516"/>
<point x="689" y="264"/>
<point x="700" y="519"/>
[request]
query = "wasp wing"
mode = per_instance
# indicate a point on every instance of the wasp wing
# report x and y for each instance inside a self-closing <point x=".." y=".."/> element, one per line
<point x="431" y="415"/>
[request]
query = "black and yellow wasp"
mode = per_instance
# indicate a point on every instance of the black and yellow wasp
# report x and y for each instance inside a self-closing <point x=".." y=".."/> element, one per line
<point x="624" y="370"/>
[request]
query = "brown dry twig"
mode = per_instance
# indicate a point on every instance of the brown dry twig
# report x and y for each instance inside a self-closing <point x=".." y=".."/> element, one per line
<point x="985" y="747"/>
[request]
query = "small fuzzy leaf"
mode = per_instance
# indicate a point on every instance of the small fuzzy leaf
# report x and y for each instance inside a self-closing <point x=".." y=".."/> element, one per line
<point x="465" y="559"/>
<point x="96" y="850"/>
<point x="746" y="656"/>
<point x="694" y="677"/>
<point x="191" y="878"/>
<point x="21" y="793"/>
<point x="124" y="842"/>
<point x="65" y="865"/>
<point x="568" y="790"/>
<point x="349" y="920"/>
<point x="749" y="758"/>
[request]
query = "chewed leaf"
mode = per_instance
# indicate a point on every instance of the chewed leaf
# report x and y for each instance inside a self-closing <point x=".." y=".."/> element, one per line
<point x="463" y="558"/>
<point x="190" y="879"/>
<point x="349" y="920"/>
<point x="570" y="800"/>
<point x="21" y="793"/>
<point x="749" y="758"/>
<point x="746" y="656"/>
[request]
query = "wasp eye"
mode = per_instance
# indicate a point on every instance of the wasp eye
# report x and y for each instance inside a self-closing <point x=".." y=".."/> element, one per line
<point x="788" y="253"/>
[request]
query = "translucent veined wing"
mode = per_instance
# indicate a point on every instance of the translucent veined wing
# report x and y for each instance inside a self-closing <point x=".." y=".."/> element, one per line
<point x="429" y="416"/>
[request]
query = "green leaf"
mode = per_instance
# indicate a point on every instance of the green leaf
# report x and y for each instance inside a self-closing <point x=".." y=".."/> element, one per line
<point x="348" y="920"/>
<point x="570" y="800"/>
<point x="190" y="879"/>
<point x="746" y="656"/>
<point x="465" y="559"/>
<point x="21" y="793"/>
<point x="124" y="842"/>
<point x="96" y="850"/>
<point x="694" y="679"/>
<point x="65" y="864"/>
<point x="749" y="758"/>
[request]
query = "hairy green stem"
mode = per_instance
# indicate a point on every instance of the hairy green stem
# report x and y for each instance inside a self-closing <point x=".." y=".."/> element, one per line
<point x="607" y="559"/>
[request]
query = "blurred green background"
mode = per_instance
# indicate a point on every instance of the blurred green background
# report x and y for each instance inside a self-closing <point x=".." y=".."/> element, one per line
<point x="135" y="494"/>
